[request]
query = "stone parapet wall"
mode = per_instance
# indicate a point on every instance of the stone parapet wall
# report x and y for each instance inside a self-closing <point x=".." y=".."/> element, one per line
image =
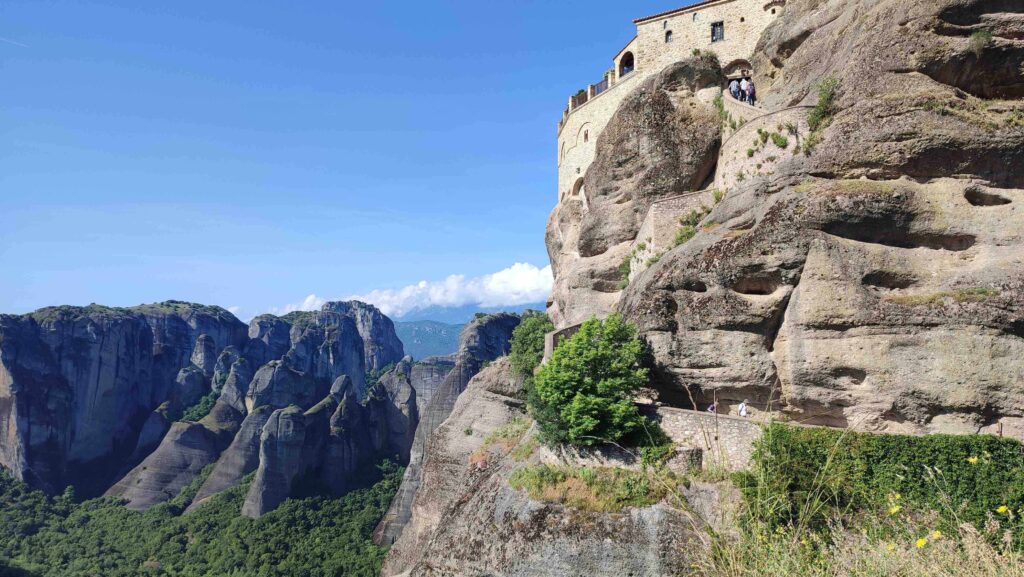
<point x="658" y="232"/>
<point x="726" y="441"/>
<point x="735" y="161"/>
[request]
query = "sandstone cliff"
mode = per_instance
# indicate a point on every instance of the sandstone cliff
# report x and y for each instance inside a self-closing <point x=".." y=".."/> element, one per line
<point x="481" y="341"/>
<point x="299" y="414"/>
<point x="78" y="385"/>
<point x="863" y="274"/>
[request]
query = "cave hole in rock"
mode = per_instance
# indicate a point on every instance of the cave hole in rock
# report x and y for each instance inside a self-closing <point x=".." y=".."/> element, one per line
<point x="978" y="197"/>
<point x="695" y="286"/>
<point x="891" y="232"/>
<point x="755" y="285"/>
<point x="888" y="280"/>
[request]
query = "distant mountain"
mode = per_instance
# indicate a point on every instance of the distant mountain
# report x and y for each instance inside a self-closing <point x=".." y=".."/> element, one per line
<point x="428" y="338"/>
<point x="460" y="315"/>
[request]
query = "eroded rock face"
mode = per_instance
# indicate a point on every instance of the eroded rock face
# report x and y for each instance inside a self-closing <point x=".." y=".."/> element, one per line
<point x="468" y="521"/>
<point x="280" y="419"/>
<point x="78" y="385"/>
<point x="482" y="340"/>
<point x="876" y="281"/>
<point x="661" y="142"/>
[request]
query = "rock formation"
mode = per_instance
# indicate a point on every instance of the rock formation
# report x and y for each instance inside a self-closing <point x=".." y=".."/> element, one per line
<point x="291" y="417"/>
<point x="467" y="520"/>
<point x="662" y="141"/>
<point x="79" y="385"/>
<point x="873" y="280"/>
<point x="481" y="341"/>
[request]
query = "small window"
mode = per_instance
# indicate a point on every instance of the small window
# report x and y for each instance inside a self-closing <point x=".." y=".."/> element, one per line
<point x="718" y="31"/>
<point x="742" y="19"/>
<point x="773" y="11"/>
<point x="668" y="36"/>
<point x="664" y="24"/>
<point x="696" y="16"/>
<point x="586" y="136"/>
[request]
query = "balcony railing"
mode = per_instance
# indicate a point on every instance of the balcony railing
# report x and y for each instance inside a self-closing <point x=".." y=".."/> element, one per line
<point x="601" y="86"/>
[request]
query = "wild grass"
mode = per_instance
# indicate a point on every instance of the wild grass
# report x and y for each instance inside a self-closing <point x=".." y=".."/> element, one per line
<point x="594" y="489"/>
<point x="826" y="503"/>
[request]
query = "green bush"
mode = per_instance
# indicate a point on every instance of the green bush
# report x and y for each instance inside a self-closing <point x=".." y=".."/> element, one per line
<point x="779" y="140"/>
<point x="593" y="489"/>
<point x="825" y="108"/>
<point x="979" y="40"/>
<point x="202" y="407"/>
<point x="584" y="394"/>
<point x="809" y="476"/>
<point x="527" y="346"/>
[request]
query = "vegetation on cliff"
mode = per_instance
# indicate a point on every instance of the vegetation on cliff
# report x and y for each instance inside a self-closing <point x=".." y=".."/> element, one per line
<point x="827" y="502"/>
<point x="313" y="536"/>
<point x="584" y="394"/>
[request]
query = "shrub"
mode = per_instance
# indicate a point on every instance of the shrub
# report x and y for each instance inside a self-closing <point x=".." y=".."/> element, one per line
<point x="527" y="345"/>
<point x="684" y="234"/>
<point x="750" y="152"/>
<point x="584" y="394"/>
<point x="779" y="140"/>
<point x="811" y="476"/>
<point x="825" y="108"/>
<point x="202" y="407"/>
<point x="717" y="195"/>
<point x="979" y="40"/>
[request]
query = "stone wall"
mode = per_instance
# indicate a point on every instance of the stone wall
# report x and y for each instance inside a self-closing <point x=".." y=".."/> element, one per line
<point x="747" y="154"/>
<point x="658" y="232"/>
<point x="744" y="20"/>
<point x="726" y="441"/>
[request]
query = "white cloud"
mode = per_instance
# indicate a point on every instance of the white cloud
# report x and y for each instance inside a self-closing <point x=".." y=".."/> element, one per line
<point x="521" y="283"/>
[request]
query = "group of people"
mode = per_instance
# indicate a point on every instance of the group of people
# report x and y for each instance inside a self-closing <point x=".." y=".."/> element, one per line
<point x="743" y="90"/>
<point x="743" y="410"/>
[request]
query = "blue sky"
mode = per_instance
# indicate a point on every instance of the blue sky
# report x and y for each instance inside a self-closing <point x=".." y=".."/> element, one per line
<point x="249" y="154"/>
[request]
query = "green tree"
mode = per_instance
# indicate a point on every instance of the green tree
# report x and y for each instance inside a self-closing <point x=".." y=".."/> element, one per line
<point x="584" y="394"/>
<point x="527" y="349"/>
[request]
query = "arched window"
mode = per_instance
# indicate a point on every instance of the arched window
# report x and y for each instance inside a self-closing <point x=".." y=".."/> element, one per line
<point x="626" y="64"/>
<point x="696" y="16"/>
<point x="668" y="36"/>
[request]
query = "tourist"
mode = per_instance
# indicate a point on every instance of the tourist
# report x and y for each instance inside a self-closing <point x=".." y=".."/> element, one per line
<point x="713" y="408"/>
<point x="751" y="93"/>
<point x="743" y="89"/>
<point x="743" y="408"/>
<point x="734" y="88"/>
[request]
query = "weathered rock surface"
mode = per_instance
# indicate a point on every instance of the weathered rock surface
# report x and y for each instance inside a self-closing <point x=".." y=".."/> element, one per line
<point x="78" y="385"/>
<point x="280" y="420"/>
<point x="876" y="281"/>
<point x="661" y="142"/>
<point x="483" y="340"/>
<point x="468" y="521"/>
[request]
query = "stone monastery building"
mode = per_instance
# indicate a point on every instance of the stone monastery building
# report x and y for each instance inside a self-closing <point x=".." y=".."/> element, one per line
<point x="729" y="28"/>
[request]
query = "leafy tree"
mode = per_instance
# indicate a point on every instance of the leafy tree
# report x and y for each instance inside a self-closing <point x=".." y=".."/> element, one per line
<point x="528" y="342"/>
<point x="584" y="394"/>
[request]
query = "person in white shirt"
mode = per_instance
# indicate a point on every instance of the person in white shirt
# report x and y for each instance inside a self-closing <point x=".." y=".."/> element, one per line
<point x="743" y="408"/>
<point x="743" y="90"/>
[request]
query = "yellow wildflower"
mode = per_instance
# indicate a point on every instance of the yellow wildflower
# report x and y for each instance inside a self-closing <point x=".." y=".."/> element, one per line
<point x="891" y="547"/>
<point x="972" y="460"/>
<point x="803" y="541"/>
<point x="1002" y="509"/>
<point x="895" y="509"/>
<point x="936" y="534"/>
<point x="921" y="543"/>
